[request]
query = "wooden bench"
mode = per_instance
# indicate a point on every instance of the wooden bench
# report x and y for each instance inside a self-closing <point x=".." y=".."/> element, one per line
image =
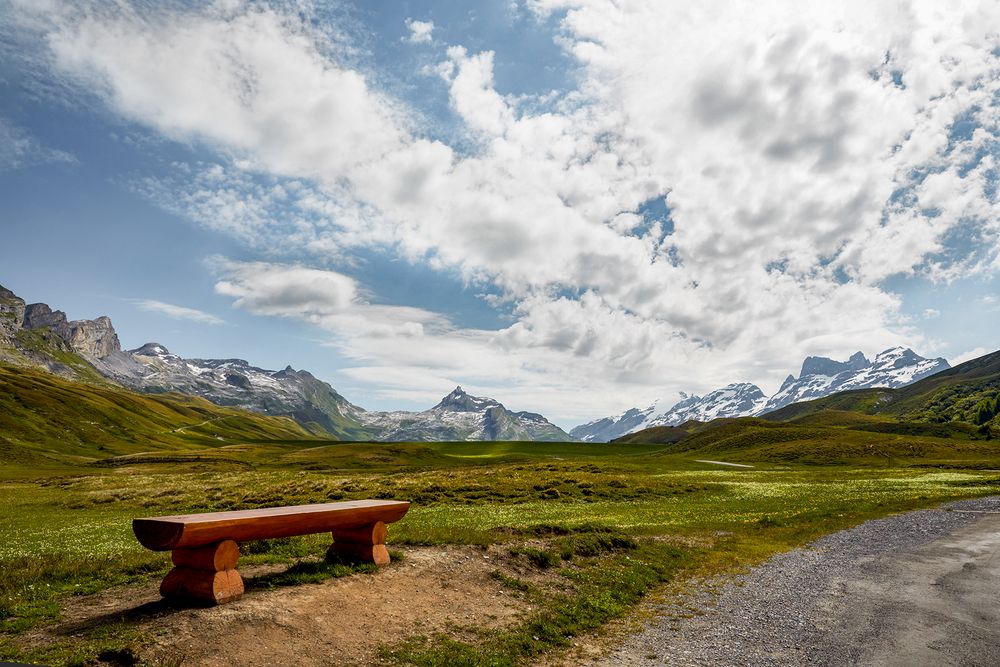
<point x="204" y="547"/>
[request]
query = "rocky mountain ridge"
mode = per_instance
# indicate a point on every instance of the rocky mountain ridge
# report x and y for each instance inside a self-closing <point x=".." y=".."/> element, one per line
<point x="152" y="368"/>
<point x="35" y="335"/>
<point x="820" y="376"/>
<point x="895" y="367"/>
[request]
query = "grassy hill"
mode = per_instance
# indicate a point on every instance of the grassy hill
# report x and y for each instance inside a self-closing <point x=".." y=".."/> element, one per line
<point x="46" y="419"/>
<point x="950" y="418"/>
<point x="749" y="439"/>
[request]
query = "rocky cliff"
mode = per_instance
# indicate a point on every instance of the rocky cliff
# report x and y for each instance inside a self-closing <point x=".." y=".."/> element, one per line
<point x="35" y="335"/>
<point x="91" y="338"/>
<point x="12" y="309"/>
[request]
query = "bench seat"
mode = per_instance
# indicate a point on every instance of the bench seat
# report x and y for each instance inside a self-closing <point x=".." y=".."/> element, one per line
<point x="204" y="546"/>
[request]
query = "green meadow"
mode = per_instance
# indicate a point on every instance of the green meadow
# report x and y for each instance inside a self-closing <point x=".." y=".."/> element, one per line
<point x="616" y="520"/>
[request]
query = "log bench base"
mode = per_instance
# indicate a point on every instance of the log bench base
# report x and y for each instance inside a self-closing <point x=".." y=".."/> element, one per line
<point x="203" y="586"/>
<point x="364" y="545"/>
<point x="205" y="552"/>
<point x="206" y="574"/>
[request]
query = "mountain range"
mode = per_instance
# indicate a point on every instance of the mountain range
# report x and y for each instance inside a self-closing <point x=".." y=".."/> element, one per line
<point x="89" y="350"/>
<point x="952" y="417"/>
<point x="819" y="377"/>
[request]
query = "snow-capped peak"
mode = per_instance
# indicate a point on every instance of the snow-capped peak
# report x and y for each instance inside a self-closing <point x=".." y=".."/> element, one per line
<point x="459" y="401"/>
<point x="897" y="357"/>
<point x="461" y="416"/>
<point x="730" y="401"/>
<point x="152" y="350"/>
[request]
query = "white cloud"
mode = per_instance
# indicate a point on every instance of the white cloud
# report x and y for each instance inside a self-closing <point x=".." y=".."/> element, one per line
<point x="472" y="94"/>
<point x="804" y="157"/>
<point x="420" y="31"/>
<point x="269" y="289"/>
<point x="931" y="313"/>
<point x="255" y="84"/>
<point x="178" y="312"/>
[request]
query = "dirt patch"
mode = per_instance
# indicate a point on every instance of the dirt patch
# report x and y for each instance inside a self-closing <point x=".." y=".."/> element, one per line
<point x="340" y="621"/>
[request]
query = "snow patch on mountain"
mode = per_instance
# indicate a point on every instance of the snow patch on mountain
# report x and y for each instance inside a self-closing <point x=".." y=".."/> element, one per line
<point x="730" y="401"/>
<point x="461" y="416"/>
<point x="895" y="367"/>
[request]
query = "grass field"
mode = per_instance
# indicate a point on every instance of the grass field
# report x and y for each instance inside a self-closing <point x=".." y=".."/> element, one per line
<point x="600" y="512"/>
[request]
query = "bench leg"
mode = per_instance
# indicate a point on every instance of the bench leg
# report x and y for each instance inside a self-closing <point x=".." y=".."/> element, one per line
<point x="206" y="574"/>
<point x="365" y="544"/>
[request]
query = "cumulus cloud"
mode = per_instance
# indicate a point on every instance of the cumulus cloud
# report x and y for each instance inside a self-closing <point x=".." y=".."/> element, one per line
<point x="804" y="157"/>
<point x="420" y="31"/>
<point x="470" y="79"/>
<point x="178" y="312"/>
<point x="411" y="353"/>
<point x="256" y="84"/>
<point x="327" y="298"/>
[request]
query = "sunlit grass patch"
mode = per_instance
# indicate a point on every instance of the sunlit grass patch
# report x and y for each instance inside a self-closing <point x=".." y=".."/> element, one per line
<point x="30" y="585"/>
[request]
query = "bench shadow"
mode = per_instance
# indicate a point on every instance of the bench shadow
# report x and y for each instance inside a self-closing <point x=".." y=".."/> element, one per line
<point x="145" y="611"/>
<point x="307" y="571"/>
<point x="301" y="572"/>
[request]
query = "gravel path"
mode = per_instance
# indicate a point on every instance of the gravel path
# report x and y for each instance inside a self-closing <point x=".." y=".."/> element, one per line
<point x="921" y="588"/>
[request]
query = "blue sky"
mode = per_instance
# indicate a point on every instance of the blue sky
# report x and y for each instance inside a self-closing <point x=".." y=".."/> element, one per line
<point x="571" y="206"/>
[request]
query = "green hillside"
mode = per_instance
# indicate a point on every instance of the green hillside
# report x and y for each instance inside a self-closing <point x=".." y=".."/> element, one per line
<point x="749" y="439"/>
<point x="46" y="419"/>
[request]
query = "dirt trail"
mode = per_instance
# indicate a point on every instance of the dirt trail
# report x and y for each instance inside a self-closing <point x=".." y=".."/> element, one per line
<point x="919" y="588"/>
<point x="934" y="605"/>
